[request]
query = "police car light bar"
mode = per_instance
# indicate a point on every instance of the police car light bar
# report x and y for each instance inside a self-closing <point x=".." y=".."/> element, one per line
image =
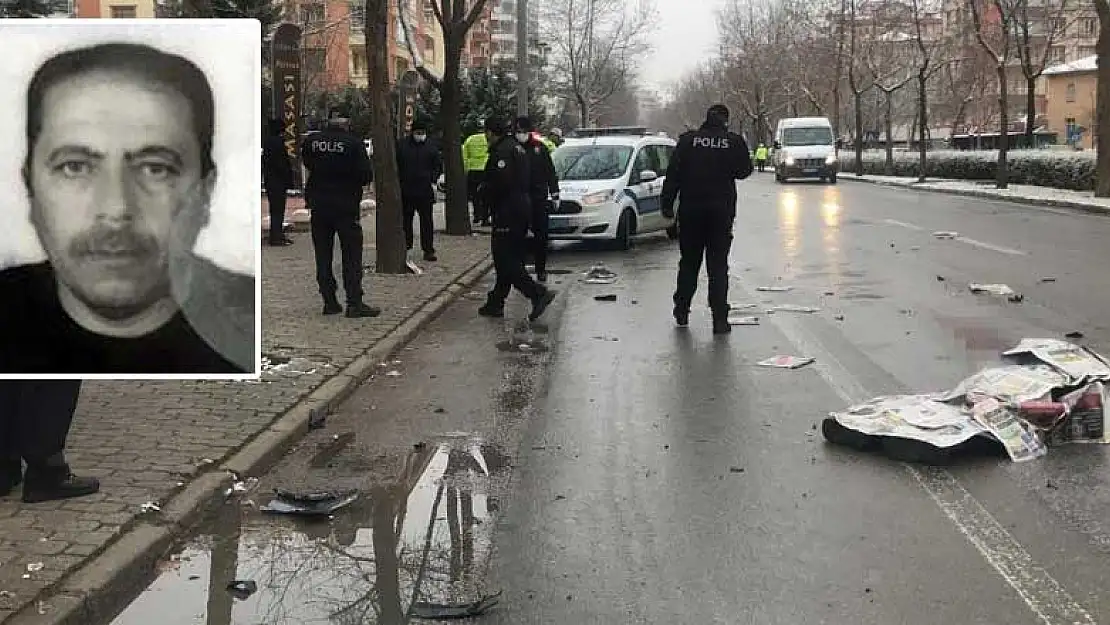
<point x="638" y="131"/>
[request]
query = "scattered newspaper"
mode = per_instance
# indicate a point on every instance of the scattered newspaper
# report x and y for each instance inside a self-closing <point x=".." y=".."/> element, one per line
<point x="917" y="417"/>
<point x="1001" y="290"/>
<point x="1018" y="437"/>
<point x="1081" y="364"/>
<point x="1014" y="384"/>
<point x="787" y="362"/>
<point x="792" y="308"/>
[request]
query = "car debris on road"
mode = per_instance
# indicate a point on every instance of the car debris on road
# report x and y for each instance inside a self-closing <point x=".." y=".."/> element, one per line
<point x="309" y="504"/>
<point x="598" y="274"/>
<point x="1049" y="392"/>
<point x="1001" y="290"/>
<point x="946" y="234"/>
<point x="787" y="362"/>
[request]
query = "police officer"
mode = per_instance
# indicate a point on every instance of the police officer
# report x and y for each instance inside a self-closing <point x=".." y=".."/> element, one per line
<point x="338" y="169"/>
<point x="544" y="190"/>
<point x="704" y="169"/>
<point x="506" y="189"/>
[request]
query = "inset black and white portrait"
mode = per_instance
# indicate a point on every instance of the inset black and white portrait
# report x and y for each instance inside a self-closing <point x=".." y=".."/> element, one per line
<point x="130" y="243"/>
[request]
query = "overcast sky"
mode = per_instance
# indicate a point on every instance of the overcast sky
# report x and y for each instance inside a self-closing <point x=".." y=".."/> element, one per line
<point x="686" y="35"/>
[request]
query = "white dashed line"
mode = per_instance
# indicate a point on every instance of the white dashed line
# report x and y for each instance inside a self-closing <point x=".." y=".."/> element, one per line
<point x="1044" y="596"/>
<point x="902" y="224"/>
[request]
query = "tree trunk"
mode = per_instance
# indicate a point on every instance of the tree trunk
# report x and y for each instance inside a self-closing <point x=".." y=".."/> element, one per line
<point x="888" y="128"/>
<point x="1001" y="177"/>
<point x="583" y="112"/>
<point x="1030" y="112"/>
<point x="457" y="211"/>
<point x="858" y="104"/>
<point x="1102" y="102"/>
<point x="389" y="241"/>
<point x="922" y="123"/>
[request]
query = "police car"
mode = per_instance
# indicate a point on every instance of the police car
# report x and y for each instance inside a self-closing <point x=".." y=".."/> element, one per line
<point x="610" y="185"/>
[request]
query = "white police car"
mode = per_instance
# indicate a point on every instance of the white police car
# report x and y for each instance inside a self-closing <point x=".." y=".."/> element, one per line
<point x="610" y="185"/>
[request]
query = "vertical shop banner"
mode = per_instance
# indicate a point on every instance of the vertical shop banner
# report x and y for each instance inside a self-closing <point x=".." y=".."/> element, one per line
<point x="286" y="72"/>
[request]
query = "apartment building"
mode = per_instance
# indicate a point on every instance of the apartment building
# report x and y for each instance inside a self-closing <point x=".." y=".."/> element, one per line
<point x="1070" y="111"/>
<point x="118" y="9"/>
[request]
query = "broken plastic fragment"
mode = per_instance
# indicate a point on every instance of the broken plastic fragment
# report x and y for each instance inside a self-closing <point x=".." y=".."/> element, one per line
<point x="606" y="298"/>
<point x="793" y="308"/>
<point x="150" y="506"/>
<point x="774" y="289"/>
<point x="426" y="610"/>
<point x="241" y="589"/>
<point x="737" y="320"/>
<point x="309" y="504"/>
<point x="1001" y="290"/>
<point x="787" y="362"/>
<point x="35" y="567"/>
<point x="394" y="374"/>
<point x="946" y="234"/>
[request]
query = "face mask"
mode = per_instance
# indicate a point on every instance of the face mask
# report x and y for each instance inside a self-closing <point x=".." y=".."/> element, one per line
<point x="420" y="138"/>
<point x="522" y="137"/>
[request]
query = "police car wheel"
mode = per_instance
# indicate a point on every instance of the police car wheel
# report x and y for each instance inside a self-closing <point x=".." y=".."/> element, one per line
<point x="623" y="240"/>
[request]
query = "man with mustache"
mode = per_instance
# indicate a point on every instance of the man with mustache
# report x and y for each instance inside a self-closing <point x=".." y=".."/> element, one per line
<point x="119" y="174"/>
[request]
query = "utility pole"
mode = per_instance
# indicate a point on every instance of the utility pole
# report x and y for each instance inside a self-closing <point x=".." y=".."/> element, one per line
<point x="522" y="57"/>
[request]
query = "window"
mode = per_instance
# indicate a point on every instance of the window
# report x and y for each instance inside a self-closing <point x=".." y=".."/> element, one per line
<point x="399" y="68"/>
<point x="315" y="60"/>
<point x="1070" y="92"/>
<point x="1085" y="51"/>
<point x="123" y="11"/>
<point x="643" y="163"/>
<point x="429" y="10"/>
<point x="429" y="49"/>
<point x="358" y="17"/>
<point x="1057" y="25"/>
<point x="1057" y="54"/>
<point x="591" y="162"/>
<point x="1088" y="26"/>
<point x="313" y="13"/>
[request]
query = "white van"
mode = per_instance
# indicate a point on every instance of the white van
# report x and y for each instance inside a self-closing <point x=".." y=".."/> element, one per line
<point x="805" y="147"/>
<point x="610" y="187"/>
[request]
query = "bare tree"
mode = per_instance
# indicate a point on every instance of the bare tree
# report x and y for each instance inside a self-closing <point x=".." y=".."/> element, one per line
<point x="996" y="40"/>
<point x="1102" y="105"/>
<point x="596" y="45"/>
<point x="753" y="67"/>
<point x="860" y="77"/>
<point x="892" y="71"/>
<point x="1037" y="26"/>
<point x="929" y="58"/>
<point x="390" y="250"/>
<point x="455" y="18"/>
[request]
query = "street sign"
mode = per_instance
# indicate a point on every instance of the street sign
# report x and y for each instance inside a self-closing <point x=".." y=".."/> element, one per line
<point x="286" y="73"/>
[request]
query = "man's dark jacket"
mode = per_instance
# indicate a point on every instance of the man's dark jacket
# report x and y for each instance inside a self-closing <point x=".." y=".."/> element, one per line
<point x="338" y="169"/>
<point x="277" y="170"/>
<point x="541" y="170"/>
<point x="38" y="336"/>
<point x="419" y="166"/>
<point x="704" y="169"/>
<point x="507" y="185"/>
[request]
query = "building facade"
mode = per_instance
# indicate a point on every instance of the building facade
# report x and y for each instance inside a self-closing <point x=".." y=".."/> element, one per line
<point x="117" y="9"/>
<point x="1070" y="109"/>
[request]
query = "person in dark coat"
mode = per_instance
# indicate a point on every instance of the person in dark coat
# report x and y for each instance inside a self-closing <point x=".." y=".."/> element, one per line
<point x="338" y="170"/>
<point x="543" y="190"/>
<point x="506" y="189"/>
<point x="419" y="164"/>
<point x="277" y="175"/>
<point x="703" y="171"/>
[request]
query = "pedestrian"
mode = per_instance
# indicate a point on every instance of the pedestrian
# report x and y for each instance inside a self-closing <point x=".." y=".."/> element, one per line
<point x="703" y="171"/>
<point x="556" y="137"/>
<point x="277" y="174"/>
<point x="543" y="190"/>
<point x="507" y="188"/>
<point x="419" y="165"/>
<point x="119" y="172"/>
<point x="475" y="154"/>
<point x="761" y="156"/>
<point x="338" y="169"/>
<point x="35" y="416"/>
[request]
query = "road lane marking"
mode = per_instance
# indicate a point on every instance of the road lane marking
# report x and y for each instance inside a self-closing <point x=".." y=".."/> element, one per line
<point x="1044" y="596"/>
<point x="990" y="246"/>
<point x="974" y="242"/>
<point x="902" y="224"/>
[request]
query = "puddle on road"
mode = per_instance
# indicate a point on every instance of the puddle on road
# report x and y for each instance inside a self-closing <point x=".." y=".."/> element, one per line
<point x="426" y="537"/>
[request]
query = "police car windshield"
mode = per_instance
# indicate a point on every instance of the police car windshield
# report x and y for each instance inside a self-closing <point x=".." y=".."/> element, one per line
<point x="591" y="162"/>
<point x="807" y="136"/>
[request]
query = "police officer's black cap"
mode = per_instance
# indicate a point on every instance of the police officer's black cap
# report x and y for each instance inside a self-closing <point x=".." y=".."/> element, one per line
<point x="523" y="124"/>
<point x="496" y="125"/>
<point x="419" y="125"/>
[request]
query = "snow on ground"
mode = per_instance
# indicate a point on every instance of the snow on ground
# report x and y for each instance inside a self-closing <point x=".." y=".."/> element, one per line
<point x="1025" y="193"/>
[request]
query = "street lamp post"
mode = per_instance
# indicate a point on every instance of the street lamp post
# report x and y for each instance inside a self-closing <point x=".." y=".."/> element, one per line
<point x="522" y="57"/>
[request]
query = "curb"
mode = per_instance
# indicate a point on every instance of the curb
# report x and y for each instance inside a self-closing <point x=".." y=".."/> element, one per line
<point x="98" y="588"/>
<point x="1086" y="208"/>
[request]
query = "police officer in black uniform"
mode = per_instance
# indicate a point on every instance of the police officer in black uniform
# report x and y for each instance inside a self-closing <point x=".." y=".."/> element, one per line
<point x="544" y="190"/>
<point x="703" y="171"/>
<point x="506" y="187"/>
<point x="338" y="169"/>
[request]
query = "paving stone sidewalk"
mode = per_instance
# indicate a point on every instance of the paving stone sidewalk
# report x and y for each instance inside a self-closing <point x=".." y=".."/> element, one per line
<point x="147" y="440"/>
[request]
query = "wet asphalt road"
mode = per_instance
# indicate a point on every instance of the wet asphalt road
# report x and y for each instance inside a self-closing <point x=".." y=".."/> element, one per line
<point x="621" y="470"/>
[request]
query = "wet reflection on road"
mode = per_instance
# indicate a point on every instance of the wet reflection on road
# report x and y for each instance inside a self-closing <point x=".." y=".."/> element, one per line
<point x="425" y="537"/>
